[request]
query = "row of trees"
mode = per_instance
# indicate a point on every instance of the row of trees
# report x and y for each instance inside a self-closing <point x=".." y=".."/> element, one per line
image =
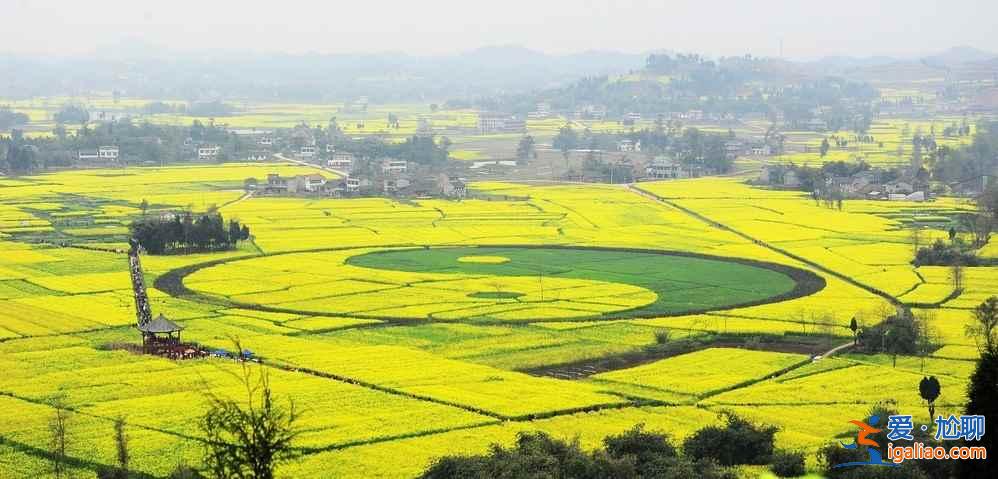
<point x="186" y="232"/>
<point x="10" y="118"/>
<point x="689" y="146"/>
<point x="634" y="454"/>
<point x="17" y="156"/>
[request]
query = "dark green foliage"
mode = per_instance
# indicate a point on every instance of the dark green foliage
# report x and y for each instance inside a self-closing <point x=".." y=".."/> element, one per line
<point x="250" y="439"/>
<point x="956" y="165"/>
<point x="187" y="233"/>
<point x="10" y="118"/>
<point x="645" y="447"/>
<point x="982" y="399"/>
<point x="210" y="109"/>
<point x="737" y="441"/>
<point x="72" y="114"/>
<point x="984" y="329"/>
<point x="185" y="472"/>
<point x="929" y="389"/>
<point x="111" y="473"/>
<point x="635" y="454"/>
<point x="525" y="150"/>
<point x="945" y="254"/>
<point x="566" y="140"/>
<point x="788" y="464"/>
<point x="895" y="335"/>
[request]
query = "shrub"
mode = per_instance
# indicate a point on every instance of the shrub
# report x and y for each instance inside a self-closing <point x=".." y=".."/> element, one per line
<point x="788" y="464"/>
<point x="737" y="442"/>
<point x="943" y="254"/>
<point x="644" y="447"/>
<point x="634" y="454"/>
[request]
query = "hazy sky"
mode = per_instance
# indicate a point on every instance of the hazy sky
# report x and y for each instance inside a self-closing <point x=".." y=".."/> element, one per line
<point x="715" y="27"/>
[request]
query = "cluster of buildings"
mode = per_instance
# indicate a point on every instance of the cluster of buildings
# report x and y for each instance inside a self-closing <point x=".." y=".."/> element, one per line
<point x="666" y="168"/>
<point x="103" y="154"/>
<point x="392" y="184"/>
<point x="866" y="184"/>
<point x="500" y="123"/>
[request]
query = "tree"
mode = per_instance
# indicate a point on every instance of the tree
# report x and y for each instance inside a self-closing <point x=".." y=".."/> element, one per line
<point x="525" y="150"/>
<point x="57" y="444"/>
<point x="824" y="147"/>
<point x="982" y="399"/>
<point x="956" y="274"/>
<point x="248" y="439"/>
<point x="144" y="206"/>
<point x="73" y="114"/>
<point x="10" y="118"/>
<point x="854" y="327"/>
<point x="916" y="240"/>
<point x="566" y="140"/>
<point x="984" y="328"/>
<point x="929" y="389"/>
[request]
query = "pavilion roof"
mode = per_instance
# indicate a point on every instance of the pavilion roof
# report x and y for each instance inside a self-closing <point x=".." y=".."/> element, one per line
<point x="160" y="325"/>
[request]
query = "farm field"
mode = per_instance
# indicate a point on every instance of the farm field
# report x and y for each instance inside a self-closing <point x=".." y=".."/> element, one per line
<point x="890" y="145"/>
<point x="501" y="283"/>
<point x="411" y="330"/>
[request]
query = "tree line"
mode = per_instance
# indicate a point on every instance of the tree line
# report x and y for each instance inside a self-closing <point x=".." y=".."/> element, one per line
<point x="690" y="146"/>
<point x="186" y="232"/>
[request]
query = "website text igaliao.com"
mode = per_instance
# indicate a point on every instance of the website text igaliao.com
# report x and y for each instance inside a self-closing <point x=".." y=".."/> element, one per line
<point x="918" y="450"/>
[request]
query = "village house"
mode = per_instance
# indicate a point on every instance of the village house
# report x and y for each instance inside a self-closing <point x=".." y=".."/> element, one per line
<point x="352" y="184"/>
<point x="627" y="146"/>
<point x="541" y="111"/>
<point x="733" y="148"/>
<point x="108" y="153"/>
<point x="208" y="152"/>
<point x="341" y="160"/>
<point x="762" y="150"/>
<point x="258" y="155"/>
<point x="275" y="185"/>
<point x="665" y="168"/>
<point x="898" y="187"/>
<point x="394" y="167"/>
<point x="306" y="152"/>
<point x="87" y="155"/>
<point x="498" y="123"/>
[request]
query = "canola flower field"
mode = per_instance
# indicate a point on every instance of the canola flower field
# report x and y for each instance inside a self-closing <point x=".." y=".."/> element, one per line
<point x="386" y="392"/>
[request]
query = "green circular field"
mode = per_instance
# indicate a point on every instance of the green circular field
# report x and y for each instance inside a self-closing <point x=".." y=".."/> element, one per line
<point x="680" y="283"/>
<point x="497" y="283"/>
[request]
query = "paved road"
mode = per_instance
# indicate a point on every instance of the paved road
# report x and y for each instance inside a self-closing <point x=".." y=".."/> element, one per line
<point x="340" y="173"/>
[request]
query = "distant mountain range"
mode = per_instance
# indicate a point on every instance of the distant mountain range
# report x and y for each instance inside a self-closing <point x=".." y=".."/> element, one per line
<point x="140" y="69"/>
